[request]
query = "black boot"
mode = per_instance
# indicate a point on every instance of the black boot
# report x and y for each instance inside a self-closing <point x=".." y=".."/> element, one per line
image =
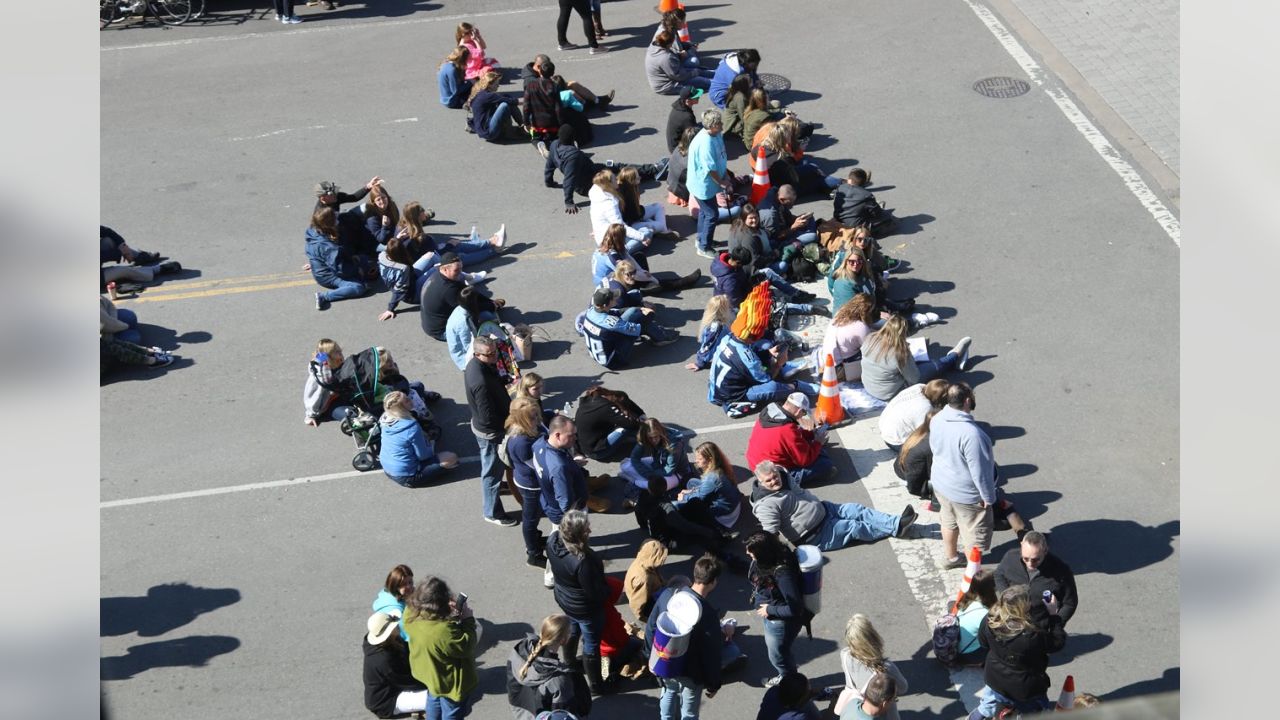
<point x="598" y="684"/>
<point x="680" y="283"/>
<point x="569" y="653"/>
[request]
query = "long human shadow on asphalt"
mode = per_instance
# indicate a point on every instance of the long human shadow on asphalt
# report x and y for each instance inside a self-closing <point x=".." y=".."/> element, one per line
<point x="164" y="608"/>
<point x="1171" y="679"/>
<point x="193" y="651"/>
<point x="619" y="133"/>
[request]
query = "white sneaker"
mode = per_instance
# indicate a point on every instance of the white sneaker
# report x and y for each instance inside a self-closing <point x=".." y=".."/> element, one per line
<point x="279" y="17"/>
<point x="501" y="236"/>
<point x="548" y="577"/>
<point x="475" y="277"/>
<point x="962" y="352"/>
<point x="292" y="20"/>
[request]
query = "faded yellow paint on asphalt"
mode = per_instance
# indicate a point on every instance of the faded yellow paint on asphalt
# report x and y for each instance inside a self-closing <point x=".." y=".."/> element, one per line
<point x="259" y="283"/>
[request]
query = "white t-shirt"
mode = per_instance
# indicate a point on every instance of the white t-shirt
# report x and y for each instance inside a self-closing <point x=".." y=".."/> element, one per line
<point x="903" y="414"/>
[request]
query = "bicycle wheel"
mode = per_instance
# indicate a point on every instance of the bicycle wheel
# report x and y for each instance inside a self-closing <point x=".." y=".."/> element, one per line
<point x="107" y="11"/>
<point x="197" y="9"/>
<point x="171" y="12"/>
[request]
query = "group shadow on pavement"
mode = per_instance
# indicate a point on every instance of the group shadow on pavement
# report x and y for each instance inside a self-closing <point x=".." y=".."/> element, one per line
<point x="163" y="609"/>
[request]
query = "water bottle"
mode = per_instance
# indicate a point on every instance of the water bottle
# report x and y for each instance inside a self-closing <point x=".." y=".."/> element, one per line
<point x="1047" y="595"/>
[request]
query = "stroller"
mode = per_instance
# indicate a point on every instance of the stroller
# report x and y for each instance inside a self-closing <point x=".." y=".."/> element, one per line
<point x="366" y="381"/>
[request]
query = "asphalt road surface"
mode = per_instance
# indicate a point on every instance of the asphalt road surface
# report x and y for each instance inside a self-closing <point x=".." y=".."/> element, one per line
<point x="239" y="551"/>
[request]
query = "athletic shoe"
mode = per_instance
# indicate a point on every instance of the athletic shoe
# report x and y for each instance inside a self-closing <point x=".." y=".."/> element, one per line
<point x="502" y="236"/>
<point x="292" y="20"/>
<point x="956" y="562"/>
<point x="538" y="561"/>
<point x="962" y="352"/>
<point x="599" y="50"/>
<point x="567" y="46"/>
<point x="819" y="310"/>
<point x="662" y="169"/>
<point x="772" y="681"/>
<point x="548" y="578"/>
<point x="893" y="264"/>
<point x="504" y="521"/>
<point x="162" y="359"/>
<point x="477" y="277"/>
<point x="802" y="296"/>
<point x="542" y="149"/>
<point x="170" y="267"/>
<point x="904" y="521"/>
<point x="321" y="302"/>
<point x="709" y="254"/>
<point x="280" y="18"/>
<point x="666" y="337"/>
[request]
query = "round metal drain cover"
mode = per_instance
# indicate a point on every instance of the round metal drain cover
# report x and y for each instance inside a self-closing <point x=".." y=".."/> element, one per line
<point x="774" y="83"/>
<point x="1001" y="87"/>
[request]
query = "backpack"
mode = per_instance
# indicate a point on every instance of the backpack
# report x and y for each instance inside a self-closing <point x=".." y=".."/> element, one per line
<point x="946" y="640"/>
<point x="803" y="270"/>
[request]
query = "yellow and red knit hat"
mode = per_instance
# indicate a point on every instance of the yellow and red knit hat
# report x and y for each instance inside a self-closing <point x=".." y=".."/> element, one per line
<point x="753" y="314"/>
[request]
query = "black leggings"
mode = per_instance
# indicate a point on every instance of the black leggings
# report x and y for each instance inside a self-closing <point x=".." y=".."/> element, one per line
<point x="583" y="8"/>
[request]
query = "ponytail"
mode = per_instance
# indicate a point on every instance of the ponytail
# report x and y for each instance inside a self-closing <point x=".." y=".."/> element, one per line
<point x="533" y="655"/>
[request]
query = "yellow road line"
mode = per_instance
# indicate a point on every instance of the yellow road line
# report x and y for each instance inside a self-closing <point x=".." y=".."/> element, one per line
<point x="185" y="286"/>
<point x="224" y="291"/>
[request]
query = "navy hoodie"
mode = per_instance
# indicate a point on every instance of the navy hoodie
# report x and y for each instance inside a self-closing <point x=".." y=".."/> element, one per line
<point x="730" y="281"/>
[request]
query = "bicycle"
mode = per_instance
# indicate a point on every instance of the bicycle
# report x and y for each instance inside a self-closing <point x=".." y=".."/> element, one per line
<point x="168" y="12"/>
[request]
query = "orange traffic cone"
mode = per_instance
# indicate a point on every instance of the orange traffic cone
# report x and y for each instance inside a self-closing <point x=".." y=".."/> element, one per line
<point x="1068" y="696"/>
<point x="829" y="410"/>
<point x="975" y="564"/>
<point x="683" y="34"/>
<point x="669" y="5"/>
<point x="759" y="183"/>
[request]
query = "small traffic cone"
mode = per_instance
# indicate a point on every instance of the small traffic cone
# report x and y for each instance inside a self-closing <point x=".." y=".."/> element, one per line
<point x="829" y="410"/>
<point x="683" y="34"/>
<point x="975" y="564"/>
<point x="665" y="6"/>
<point x="1068" y="696"/>
<point x="759" y="183"/>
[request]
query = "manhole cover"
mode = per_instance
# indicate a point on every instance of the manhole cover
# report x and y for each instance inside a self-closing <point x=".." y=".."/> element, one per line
<point x="774" y="84"/>
<point x="1001" y="87"/>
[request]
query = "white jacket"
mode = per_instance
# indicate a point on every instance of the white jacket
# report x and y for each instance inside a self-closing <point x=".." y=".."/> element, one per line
<point x="606" y="210"/>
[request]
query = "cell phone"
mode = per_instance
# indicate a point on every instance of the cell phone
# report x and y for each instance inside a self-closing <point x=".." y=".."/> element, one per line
<point x="462" y="602"/>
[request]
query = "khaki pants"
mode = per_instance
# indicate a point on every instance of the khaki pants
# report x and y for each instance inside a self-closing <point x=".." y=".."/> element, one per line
<point x="974" y="522"/>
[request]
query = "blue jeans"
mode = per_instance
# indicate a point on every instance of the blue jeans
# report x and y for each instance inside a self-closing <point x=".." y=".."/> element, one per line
<point x="776" y="280"/>
<point x="774" y="390"/>
<point x="706" y="223"/>
<point x="699" y="81"/>
<point x="810" y="173"/>
<point x="778" y="638"/>
<point x="805" y="235"/>
<point x="530" y="514"/>
<point x="427" y="472"/>
<point x="491" y="475"/>
<point x="590" y="628"/>
<point x="851" y="521"/>
<point x="682" y="693"/>
<point x="498" y="122"/>
<point x="346" y="290"/>
<point x="820" y="468"/>
<point x="930" y="369"/>
<point x="992" y="700"/>
<point x="442" y="708"/>
<point x="130" y="318"/>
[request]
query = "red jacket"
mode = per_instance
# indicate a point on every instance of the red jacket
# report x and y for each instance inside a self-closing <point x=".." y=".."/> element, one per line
<point x="614" y="637"/>
<point x="777" y="437"/>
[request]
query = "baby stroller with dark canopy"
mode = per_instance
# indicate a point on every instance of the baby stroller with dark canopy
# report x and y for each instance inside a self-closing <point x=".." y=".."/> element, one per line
<point x="366" y="378"/>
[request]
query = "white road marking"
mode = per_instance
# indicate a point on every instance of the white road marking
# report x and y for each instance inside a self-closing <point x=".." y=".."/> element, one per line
<point x="287" y="482"/>
<point x="310" y="28"/>
<point x="1132" y="180"/>
<point x="932" y="588"/>
<point x="285" y="131"/>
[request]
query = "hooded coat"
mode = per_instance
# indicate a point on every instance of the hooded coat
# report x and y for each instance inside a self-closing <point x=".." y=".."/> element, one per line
<point x="548" y="684"/>
<point x="580" y="589"/>
<point x="778" y="437"/>
<point x="386" y="675"/>
<point x="643" y="582"/>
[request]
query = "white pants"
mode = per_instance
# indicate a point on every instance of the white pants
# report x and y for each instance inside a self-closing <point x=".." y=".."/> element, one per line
<point x="655" y="218"/>
<point x="410" y="702"/>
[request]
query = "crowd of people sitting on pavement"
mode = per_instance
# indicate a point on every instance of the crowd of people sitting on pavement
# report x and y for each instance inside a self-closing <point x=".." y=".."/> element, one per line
<point x="421" y="640"/>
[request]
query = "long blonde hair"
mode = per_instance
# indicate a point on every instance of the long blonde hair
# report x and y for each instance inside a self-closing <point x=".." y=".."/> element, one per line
<point x="524" y="417"/>
<point x="488" y="81"/>
<point x="464" y="29"/>
<point x="623" y="268"/>
<point x="864" y="643"/>
<point x="629" y="184"/>
<point x="606" y="182"/>
<point x="889" y="341"/>
<point x="717" y="310"/>
<point x="553" y="631"/>
<point x="916" y="437"/>
<point x="396" y="404"/>
<point x="1011" y="615"/>
<point x="527" y="382"/>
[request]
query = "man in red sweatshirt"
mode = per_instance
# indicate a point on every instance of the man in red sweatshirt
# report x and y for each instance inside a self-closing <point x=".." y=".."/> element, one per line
<point x="786" y="434"/>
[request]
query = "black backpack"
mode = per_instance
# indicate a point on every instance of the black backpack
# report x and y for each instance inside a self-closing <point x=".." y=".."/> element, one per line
<point x="946" y="640"/>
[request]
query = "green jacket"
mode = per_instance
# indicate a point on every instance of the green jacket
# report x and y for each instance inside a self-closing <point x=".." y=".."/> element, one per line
<point x="442" y="655"/>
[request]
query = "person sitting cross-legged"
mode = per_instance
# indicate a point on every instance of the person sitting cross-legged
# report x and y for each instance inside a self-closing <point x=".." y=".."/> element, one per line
<point x="739" y="378"/>
<point x="784" y="508"/>
<point x="611" y="333"/>
<point x="788" y="435"/>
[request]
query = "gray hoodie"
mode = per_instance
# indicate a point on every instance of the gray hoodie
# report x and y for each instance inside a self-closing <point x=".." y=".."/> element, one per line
<point x="964" y="469"/>
<point x="792" y="511"/>
<point x="662" y="68"/>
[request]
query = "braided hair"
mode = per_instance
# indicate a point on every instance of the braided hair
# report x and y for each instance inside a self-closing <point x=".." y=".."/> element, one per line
<point x="554" y="631"/>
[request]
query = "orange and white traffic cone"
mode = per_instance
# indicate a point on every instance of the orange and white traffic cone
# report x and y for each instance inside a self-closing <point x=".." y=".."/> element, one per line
<point x="683" y="33"/>
<point x="970" y="570"/>
<point x="1068" y="696"/>
<point x="760" y="183"/>
<point x="829" y="409"/>
<point x="665" y="6"/>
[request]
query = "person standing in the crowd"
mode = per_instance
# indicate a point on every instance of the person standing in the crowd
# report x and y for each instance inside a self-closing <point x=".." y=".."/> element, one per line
<point x="284" y="12"/>
<point x="524" y="429"/>
<point x="442" y="649"/>
<point x="583" y="8"/>
<point x="963" y="475"/>
<point x="708" y="164"/>
<point x="778" y="597"/>
<point x="580" y="591"/>
<point x="539" y="679"/>
<point x="490" y="404"/>
<point x="862" y="659"/>
<point x="1033" y="565"/>
<point x="390" y="690"/>
<point x="1018" y="649"/>
<point x="682" y="696"/>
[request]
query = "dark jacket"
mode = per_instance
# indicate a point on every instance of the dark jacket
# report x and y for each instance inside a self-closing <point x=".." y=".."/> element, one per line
<point x="854" y="205"/>
<point x="483" y="106"/>
<point x="339" y="199"/>
<point x="548" y="684"/>
<point x="730" y="281"/>
<point x="1054" y="575"/>
<point x="678" y="175"/>
<point x="755" y="243"/>
<point x="915" y="471"/>
<point x="439" y="298"/>
<point x="386" y="675"/>
<point x="575" y="165"/>
<point x="780" y="589"/>
<point x="329" y="263"/>
<point x="596" y="417"/>
<point x="541" y="103"/>
<point x="680" y="118"/>
<point x="771" y="708"/>
<point x="487" y="397"/>
<point x="1016" y="667"/>
<point x="580" y="588"/>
